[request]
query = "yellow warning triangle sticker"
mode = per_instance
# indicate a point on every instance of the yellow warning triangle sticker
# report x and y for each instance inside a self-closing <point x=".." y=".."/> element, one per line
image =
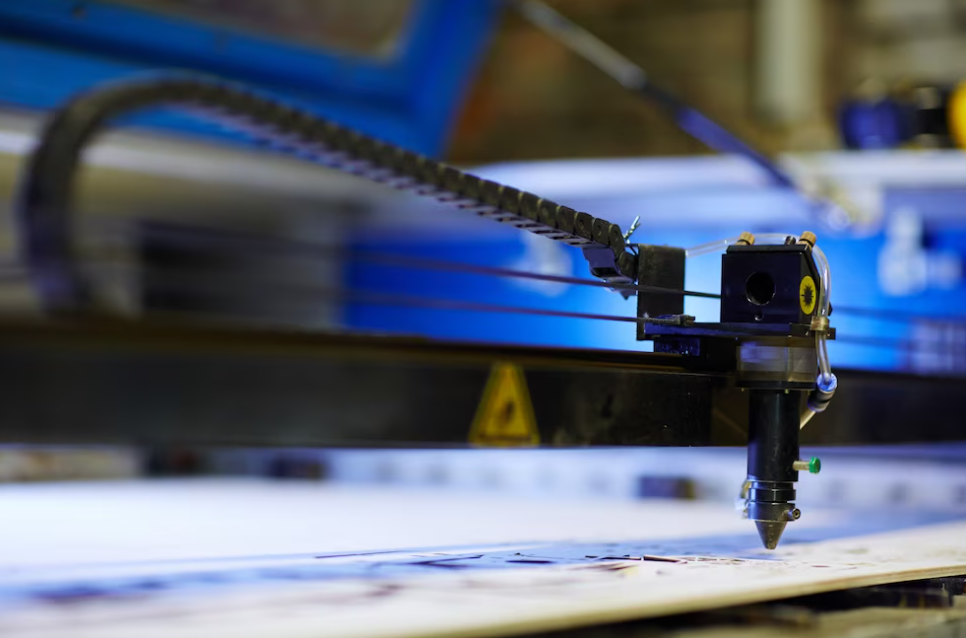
<point x="505" y="416"/>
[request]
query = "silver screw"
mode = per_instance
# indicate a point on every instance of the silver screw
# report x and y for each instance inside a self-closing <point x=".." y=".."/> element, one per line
<point x="634" y="226"/>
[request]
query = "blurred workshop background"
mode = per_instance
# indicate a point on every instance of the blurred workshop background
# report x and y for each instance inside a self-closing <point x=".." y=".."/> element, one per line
<point x="859" y="101"/>
<point x="776" y="73"/>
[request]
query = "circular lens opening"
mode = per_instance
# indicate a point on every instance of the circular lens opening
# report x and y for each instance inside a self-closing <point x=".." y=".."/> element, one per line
<point x="760" y="288"/>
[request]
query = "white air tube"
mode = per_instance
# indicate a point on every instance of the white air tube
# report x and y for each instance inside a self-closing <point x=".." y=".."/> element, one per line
<point x="722" y="244"/>
<point x="710" y="247"/>
<point x="821" y="337"/>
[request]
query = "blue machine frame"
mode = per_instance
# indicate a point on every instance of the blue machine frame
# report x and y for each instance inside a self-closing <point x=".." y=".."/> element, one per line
<point x="52" y="49"/>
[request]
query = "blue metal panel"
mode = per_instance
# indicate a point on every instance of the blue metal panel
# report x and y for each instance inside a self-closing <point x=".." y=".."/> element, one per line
<point x="53" y="77"/>
<point x="50" y="49"/>
<point x="153" y="40"/>
<point x="857" y="280"/>
<point x="443" y="49"/>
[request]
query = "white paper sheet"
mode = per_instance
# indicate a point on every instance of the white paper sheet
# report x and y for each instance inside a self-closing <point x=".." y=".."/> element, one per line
<point x="255" y="558"/>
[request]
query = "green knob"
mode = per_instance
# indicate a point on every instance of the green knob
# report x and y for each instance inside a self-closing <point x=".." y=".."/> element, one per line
<point x="813" y="465"/>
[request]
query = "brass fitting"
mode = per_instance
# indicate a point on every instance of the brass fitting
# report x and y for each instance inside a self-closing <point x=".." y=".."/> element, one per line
<point x="746" y="239"/>
<point x="819" y="324"/>
<point x="808" y="237"/>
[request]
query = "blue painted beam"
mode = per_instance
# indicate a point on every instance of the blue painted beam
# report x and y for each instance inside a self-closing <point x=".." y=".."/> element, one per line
<point x="51" y="49"/>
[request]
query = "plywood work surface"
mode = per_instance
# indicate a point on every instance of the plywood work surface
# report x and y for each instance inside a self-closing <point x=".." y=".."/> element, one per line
<point x="251" y="559"/>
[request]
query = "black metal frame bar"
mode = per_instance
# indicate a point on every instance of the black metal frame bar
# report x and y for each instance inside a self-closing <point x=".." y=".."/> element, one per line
<point x="80" y="382"/>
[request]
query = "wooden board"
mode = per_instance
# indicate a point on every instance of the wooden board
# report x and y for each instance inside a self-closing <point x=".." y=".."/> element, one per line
<point x="251" y="559"/>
